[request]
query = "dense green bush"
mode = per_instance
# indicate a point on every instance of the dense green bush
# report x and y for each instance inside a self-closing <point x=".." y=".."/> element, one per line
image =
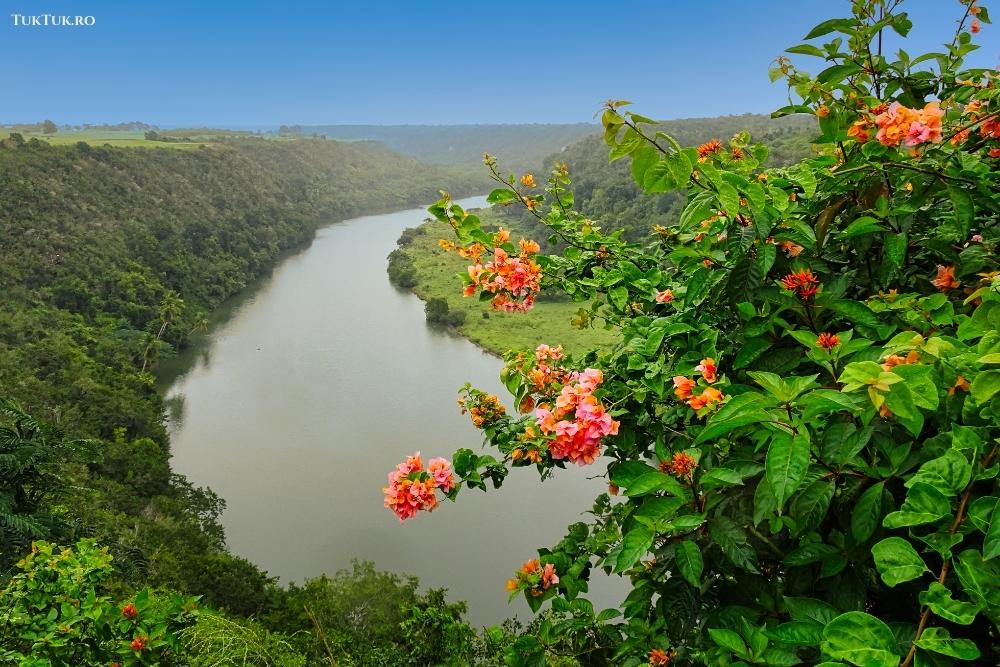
<point x="802" y="416"/>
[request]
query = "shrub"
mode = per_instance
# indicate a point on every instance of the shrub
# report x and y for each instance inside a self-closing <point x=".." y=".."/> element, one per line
<point x="799" y="424"/>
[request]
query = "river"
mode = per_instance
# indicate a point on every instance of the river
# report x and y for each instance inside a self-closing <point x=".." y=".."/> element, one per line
<point x="312" y="385"/>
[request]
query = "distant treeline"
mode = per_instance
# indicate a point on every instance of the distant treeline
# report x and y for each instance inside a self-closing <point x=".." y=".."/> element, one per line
<point x="50" y="127"/>
<point x="524" y="145"/>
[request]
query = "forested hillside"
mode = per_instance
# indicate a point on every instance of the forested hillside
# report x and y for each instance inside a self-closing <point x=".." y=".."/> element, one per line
<point x="111" y="258"/>
<point x="523" y="145"/>
<point x="609" y="195"/>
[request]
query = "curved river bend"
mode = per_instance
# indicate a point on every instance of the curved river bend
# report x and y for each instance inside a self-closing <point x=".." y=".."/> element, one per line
<point x="319" y="380"/>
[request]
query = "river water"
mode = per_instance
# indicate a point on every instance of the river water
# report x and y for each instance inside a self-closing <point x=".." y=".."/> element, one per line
<point x="312" y="385"/>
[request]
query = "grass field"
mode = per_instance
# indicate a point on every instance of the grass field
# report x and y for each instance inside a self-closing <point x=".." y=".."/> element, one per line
<point x="124" y="139"/>
<point x="497" y="332"/>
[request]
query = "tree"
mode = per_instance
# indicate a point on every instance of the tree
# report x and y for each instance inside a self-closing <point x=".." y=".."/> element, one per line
<point x="48" y="127"/>
<point x="801" y="417"/>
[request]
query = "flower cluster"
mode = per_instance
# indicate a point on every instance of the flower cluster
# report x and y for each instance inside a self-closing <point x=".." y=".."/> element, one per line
<point x="139" y="644"/>
<point x="513" y="280"/>
<point x="909" y="126"/>
<point x="578" y="421"/>
<point x="130" y="611"/>
<point x="803" y="282"/>
<point x="660" y="658"/>
<point x="484" y="409"/>
<point x="684" y="387"/>
<point x="827" y="340"/>
<point x="709" y="147"/>
<point x="534" y="578"/>
<point x="681" y="464"/>
<point x="945" y="280"/>
<point x="411" y="488"/>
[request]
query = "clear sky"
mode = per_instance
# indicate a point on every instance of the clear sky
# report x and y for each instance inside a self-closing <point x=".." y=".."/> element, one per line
<point x="260" y="63"/>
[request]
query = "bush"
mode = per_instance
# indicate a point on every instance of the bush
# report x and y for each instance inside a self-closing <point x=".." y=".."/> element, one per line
<point x="438" y="312"/>
<point x="801" y="418"/>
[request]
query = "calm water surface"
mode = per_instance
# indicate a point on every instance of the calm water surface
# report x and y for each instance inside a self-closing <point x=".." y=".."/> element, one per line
<point x="312" y="386"/>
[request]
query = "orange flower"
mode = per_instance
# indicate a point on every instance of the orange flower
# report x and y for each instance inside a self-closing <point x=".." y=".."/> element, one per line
<point x="613" y="489"/>
<point x="960" y="137"/>
<point x="823" y="111"/>
<point x="502" y="236"/>
<point x="707" y="369"/>
<point x="990" y="128"/>
<point x="683" y="387"/>
<point x="659" y="658"/>
<point x="139" y="643"/>
<point x="961" y="384"/>
<point x="446" y="245"/>
<point x="528" y="181"/>
<point x="827" y="341"/>
<point x="945" y="280"/>
<point x="530" y="567"/>
<point x="708" y="148"/>
<point x="682" y="464"/>
<point x="706" y="398"/>
<point x="528" y="247"/>
<point x="994" y="152"/>
<point x="736" y="153"/>
<point x="894" y="360"/>
<point x="512" y="585"/>
<point x="130" y="611"/>
<point x="859" y="130"/>
<point x="791" y="248"/>
<point x="975" y="26"/>
<point x="803" y="282"/>
<point x="666" y="296"/>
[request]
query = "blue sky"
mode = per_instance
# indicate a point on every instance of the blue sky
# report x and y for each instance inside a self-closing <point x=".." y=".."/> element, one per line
<point x="263" y="63"/>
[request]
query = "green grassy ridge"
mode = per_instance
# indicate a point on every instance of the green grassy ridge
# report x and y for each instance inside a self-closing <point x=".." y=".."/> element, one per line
<point x="436" y="273"/>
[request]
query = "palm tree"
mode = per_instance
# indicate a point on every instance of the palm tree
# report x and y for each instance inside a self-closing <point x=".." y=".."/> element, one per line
<point x="170" y="309"/>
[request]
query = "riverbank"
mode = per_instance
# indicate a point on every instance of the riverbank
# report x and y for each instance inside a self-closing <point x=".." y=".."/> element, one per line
<point x="435" y="275"/>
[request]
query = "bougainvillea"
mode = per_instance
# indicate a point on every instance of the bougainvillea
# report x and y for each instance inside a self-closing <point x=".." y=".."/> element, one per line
<point x="412" y="489"/>
<point x="802" y="452"/>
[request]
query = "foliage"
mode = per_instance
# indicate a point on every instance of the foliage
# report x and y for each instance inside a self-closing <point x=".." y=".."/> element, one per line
<point x="438" y="312"/>
<point x="804" y="396"/>
<point x="55" y="612"/>
<point x="366" y="617"/>
<point x="33" y="460"/>
<point x="219" y="641"/>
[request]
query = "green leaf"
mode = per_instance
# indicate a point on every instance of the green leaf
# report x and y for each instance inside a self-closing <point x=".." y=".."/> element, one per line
<point x="739" y="411"/>
<point x="810" y="609"/>
<point x="923" y="504"/>
<point x="863" y="225"/>
<point x="939" y="640"/>
<point x="838" y="73"/>
<point x="867" y="512"/>
<point x="797" y="633"/>
<point x="855" y="311"/>
<point x="653" y="482"/>
<point x="751" y="351"/>
<point x="919" y="379"/>
<point x="807" y="554"/>
<point x="897" y="561"/>
<point x="991" y="543"/>
<point x="824" y="401"/>
<point x="501" y="196"/>
<point x="985" y="386"/>
<point x="830" y="25"/>
<point x="860" y="639"/>
<point x="636" y="544"/>
<point x="696" y="285"/>
<point x="729" y="640"/>
<point x="949" y="473"/>
<point x="619" y="297"/>
<point x="786" y="464"/>
<point x="965" y="210"/>
<point x="690" y="562"/>
<point x="940" y="601"/>
<point x="978" y="577"/>
<point x="895" y="248"/>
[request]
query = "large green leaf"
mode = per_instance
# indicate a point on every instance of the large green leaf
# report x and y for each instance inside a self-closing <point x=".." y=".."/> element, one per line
<point x="897" y="561"/>
<point x="786" y="464"/>
<point x="940" y="601"/>
<point x="689" y="562"/>
<point x="636" y="544"/>
<point x="939" y="640"/>
<point x="748" y="408"/>
<point x="949" y="473"/>
<point x="991" y="543"/>
<point x="867" y="512"/>
<point x="985" y="386"/>
<point x="923" y="504"/>
<point x="860" y="639"/>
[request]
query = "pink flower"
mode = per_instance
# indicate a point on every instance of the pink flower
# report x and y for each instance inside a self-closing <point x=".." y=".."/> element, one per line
<point x="440" y="471"/>
<point x="665" y="296"/>
<point x="549" y="577"/>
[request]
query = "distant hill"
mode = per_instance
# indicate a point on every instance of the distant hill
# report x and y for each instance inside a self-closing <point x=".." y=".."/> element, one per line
<point x="522" y="146"/>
